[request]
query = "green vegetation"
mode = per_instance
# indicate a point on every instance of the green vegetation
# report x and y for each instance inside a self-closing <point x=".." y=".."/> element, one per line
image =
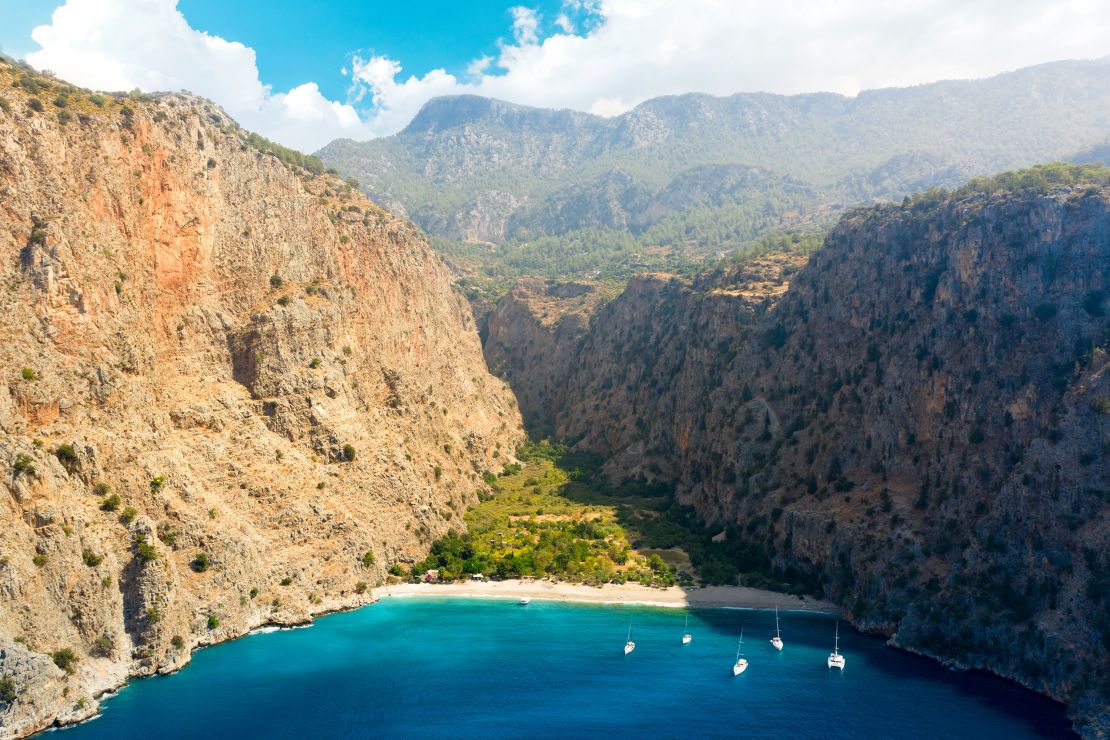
<point x="200" y="562"/>
<point x="8" y="690"/>
<point x="111" y="503"/>
<point x="103" y="646"/>
<point x="128" y="515"/>
<point x="91" y="558"/>
<point x="288" y="156"/>
<point x="22" y="466"/>
<point x="348" y="453"/>
<point x="157" y="483"/>
<point x="144" y="551"/>
<point x="544" y="519"/>
<point x="66" y="659"/>
<point x="39" y="559"/>
<point x="213" y="622"/>
<point x="556" y="516"/>
<point x="29" y="374"/>
<point x="367" y="558"/>
<point x="177" y="641"/>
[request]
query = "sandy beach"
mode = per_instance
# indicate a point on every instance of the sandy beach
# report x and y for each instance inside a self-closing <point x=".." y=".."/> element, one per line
<point x="739" y="597"/>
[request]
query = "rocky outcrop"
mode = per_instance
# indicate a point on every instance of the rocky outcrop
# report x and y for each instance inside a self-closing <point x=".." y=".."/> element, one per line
<point x="232" y="392"/>
<point x="919" y="426"/>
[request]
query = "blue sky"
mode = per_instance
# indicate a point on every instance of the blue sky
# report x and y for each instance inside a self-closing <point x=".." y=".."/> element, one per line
<point x="298" y="41"/>
<point x="305" y="73"/>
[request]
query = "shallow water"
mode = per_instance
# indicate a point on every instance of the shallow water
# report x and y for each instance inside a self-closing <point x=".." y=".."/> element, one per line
<point x="437" y="667"/>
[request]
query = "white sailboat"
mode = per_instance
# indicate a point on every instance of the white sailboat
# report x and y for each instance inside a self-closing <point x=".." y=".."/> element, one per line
<point x="741" y="664"/>
<point x="629" y="646"/>
<point x="686" y="637"/>
<point x="836" y="660"/>
<point x="777" y="639"/>
<point x="524" y="601"/>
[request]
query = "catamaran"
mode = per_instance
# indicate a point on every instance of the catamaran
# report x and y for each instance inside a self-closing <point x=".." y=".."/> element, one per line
<point x="686" y="637"/>
<point x="836" y="660"/>
<point x="777" y="639"/>
<point x="629" y="646"/>
<point x="741" y="664"/>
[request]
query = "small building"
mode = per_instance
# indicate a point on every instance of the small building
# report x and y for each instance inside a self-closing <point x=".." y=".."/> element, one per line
<point x="477" y="577"/>
<point x="431" y="576"/>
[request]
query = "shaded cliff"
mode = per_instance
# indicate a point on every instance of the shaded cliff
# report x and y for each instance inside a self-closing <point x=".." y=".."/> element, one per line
<point x="232" y="391"/>
<point x="919" y="426"/>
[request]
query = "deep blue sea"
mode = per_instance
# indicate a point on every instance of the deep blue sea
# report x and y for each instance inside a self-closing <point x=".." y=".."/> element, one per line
<point x="428" y="667"/>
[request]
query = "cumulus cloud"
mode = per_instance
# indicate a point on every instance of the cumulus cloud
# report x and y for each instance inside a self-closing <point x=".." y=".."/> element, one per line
<point x="148" y="44"/>
<point x="603" y="56"/>
<point x="638" y="49"/>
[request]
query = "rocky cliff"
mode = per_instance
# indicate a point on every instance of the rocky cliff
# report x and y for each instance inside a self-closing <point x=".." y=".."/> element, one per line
<point x="232" y="391"/>
<point x="919" y="426"/>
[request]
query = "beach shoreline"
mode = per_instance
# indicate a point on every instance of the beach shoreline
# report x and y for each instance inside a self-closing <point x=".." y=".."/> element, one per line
<point x="735" y="597"/>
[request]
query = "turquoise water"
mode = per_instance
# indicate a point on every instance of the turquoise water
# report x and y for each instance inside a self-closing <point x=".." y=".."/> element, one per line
<point x="485" y="668"/>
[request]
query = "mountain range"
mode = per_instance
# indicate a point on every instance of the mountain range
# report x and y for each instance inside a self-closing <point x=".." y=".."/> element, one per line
<point x="559" y="192"/>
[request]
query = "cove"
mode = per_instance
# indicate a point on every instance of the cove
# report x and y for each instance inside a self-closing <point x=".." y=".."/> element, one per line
<point x="444" y="667"/>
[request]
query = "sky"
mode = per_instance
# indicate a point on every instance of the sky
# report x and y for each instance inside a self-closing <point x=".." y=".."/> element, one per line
<point x="305" y="73"/>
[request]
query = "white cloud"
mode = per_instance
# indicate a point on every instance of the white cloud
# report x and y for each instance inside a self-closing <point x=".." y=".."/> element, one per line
<point x="148" y="44"/>
<point x="632" y="50"/>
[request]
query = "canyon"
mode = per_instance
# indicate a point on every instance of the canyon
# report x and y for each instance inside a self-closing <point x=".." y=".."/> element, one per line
<point x="914" y="422"/>
<point x="234" y="391"/>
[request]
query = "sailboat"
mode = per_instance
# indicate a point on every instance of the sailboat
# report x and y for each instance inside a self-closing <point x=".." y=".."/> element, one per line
<point x="777" y="639"/>
<point x="629" y="646"/>
<point x="741" y="664"/>
<point x="836" y="660"/>
<point x="686" y="637"/>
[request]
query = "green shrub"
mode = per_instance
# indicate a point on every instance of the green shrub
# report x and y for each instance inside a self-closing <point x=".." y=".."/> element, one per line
<point x="438" y="471"/>
<point x="29" y="373"/>
<point x="7" y="690"/>
<point x="157" y="483"/>
<point x="111" y="503"/>
<point x="283" y="301"/>
<point x="178" y="641"/>
<point x="101" y="489"/>
<point x="22" y="466"/>
<point x="167" y="535"/>
<point x="5" y="105"/>
<point x="103" y="646"/>
<point x="367" y="558"/>
<point x="128" y="515"/>
<point x="213" y="622"/>
<point x="200" y="562"/>
<point x="348" y="453"/>
<point x="67" y="456"/>
<point x="66" y="659"/>
<point x="397" y="570"/>
<point x="360" y="587"/>
<point x="97" y="100"/>
<point x="35" y="104"/>
<point x="315" y="363"/>
<point x="91" y="558"/>
<point x="276" y="281"/>
<point x="1044" y="311"/>
<point x="286" y="581"/>
<point x="153" y="615"/>
<point x="39" y="560"/>
<point x="144" y="551"/>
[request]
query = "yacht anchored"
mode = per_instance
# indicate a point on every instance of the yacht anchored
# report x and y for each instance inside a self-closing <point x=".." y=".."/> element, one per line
<point x="524" y="601"/>
<point x="629" y="646"/>
<point x="777" y="639"/>
<point x="836" y="660"/>
<point x="686" y="636"/>
<point x="741" y="664"/>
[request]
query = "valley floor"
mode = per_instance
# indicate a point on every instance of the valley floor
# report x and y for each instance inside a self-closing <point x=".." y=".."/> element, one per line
<point x="740" y="597"/>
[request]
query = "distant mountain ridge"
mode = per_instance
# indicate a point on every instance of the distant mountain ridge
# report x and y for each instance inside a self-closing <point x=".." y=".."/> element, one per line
<point x="472" y="169"/>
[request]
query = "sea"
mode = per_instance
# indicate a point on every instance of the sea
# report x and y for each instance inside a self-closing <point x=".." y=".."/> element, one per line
<point x="446" y="667"/>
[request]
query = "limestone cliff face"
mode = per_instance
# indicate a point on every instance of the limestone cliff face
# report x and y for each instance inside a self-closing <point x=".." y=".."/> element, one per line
<point x="920" y="425"/>
<point x="272" y="375"/>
